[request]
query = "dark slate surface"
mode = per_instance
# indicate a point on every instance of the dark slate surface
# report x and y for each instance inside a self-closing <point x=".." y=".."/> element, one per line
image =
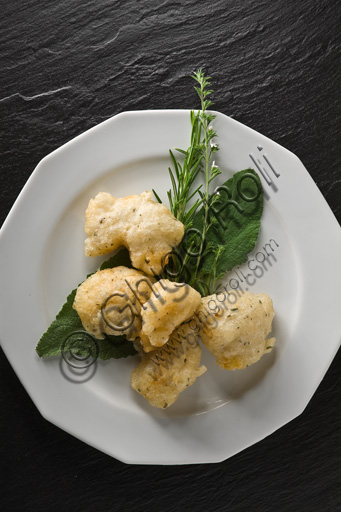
<point x="65" y="66"/>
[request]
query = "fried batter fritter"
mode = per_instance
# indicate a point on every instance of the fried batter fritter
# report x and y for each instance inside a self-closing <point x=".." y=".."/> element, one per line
<point x="164" y="373"/>
<point x="236" y="333"/>
<point x="148" y="229"/>
<point x="169" y="305"/>
<point x="109" y="301"/>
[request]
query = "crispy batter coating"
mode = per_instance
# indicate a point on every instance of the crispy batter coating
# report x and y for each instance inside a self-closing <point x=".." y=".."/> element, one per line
<point x="164" y="373"/>
<point x="236" y="333"/>
<point x="110" y="301"/>
<point x="169" y="306"/>
<point x="148" y="229"/>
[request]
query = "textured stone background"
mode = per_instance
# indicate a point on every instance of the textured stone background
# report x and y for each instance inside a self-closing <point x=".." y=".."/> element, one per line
<point x="66" y="66"/>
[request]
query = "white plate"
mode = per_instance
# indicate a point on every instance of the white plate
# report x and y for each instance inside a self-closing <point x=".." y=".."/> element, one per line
<point x="42" y="259"/>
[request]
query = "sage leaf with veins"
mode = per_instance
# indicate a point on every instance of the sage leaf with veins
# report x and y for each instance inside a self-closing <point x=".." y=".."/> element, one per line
<point x="67" y="323"/>
<point x="235" y="212"/>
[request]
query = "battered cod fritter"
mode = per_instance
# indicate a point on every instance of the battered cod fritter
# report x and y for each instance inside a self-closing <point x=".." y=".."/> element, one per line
<point x="169" y="305"/>
<point x="164" y="373"/>
<point x="148" y="229"/>
<point x="236" y="334"/>
<point x="110" y="301"/>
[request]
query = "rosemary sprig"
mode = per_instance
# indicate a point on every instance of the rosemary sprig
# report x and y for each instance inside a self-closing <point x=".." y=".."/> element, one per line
<point x="183" y="176"/>
<point x="208" y="149"/>
<point x="197" y="159"/>
<point x="221" y="229"/>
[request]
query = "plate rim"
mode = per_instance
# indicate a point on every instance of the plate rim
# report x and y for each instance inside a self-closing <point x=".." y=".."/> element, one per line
<point x="33" y="182"/>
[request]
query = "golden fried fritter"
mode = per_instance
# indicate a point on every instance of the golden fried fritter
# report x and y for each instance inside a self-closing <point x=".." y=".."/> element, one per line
<point x="164" y="373"/>
<point x="169" y="305"/>
<point x="109" y="301"/>
<point x="148" y="229"/>
<point x="236" y="333"/>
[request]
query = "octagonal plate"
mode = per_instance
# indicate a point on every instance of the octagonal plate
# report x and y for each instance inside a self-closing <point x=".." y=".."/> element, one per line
<point x="296" y="261"/>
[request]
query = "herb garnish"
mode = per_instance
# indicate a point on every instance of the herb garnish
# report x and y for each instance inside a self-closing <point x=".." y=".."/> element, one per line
<point x="197" y="158"/>
<point x="232" y="232"/>
<point x="220" y="228"/>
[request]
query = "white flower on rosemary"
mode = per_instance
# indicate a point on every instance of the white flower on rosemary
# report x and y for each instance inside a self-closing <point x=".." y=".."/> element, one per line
<point x="215" y="171"/>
